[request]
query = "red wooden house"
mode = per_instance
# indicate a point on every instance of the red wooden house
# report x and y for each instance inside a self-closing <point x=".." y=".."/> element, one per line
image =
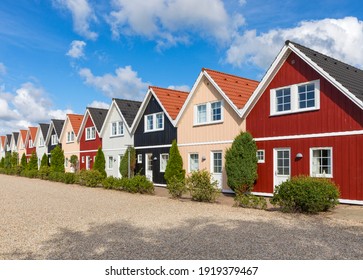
<point x="29" y="141"/>
<point x="89" y="136"/>
<point x="306" y="116"/>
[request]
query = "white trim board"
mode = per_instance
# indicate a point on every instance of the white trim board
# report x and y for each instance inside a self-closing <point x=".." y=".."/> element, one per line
<point x="151" y="147"/>
<point x="205" y="143"/>
<point x="316" y="135"/>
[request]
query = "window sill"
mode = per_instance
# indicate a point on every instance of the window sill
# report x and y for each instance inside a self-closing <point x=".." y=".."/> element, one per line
<point x="322" y="176"/>
<point x="116" y="136"/>
<point x="293" y="112"/>
<point x="90" y="139"/>
<point x="208" y="123"/>
<point x="154" y="130"/>
<point x="70" y="142"/>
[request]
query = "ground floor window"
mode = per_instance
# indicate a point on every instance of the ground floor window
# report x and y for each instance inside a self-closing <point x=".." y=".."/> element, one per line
<point x="260" y="156"/>
<point x="110" y="162"/>
<point x="321" y="163"/>
<point x="139" y="158"/>
<point x="66" y="162"/>
<point x="193" y="162"/>
<point x="163" y="162"/>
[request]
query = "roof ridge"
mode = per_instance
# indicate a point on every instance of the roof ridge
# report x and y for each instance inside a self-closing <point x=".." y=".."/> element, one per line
<point x="224" y="73"/>
<point x="176" y="90"/>
<point x="129" y="100"/>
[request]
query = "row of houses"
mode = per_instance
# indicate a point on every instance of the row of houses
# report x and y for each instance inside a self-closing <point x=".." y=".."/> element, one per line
<point x="306" y="116"/>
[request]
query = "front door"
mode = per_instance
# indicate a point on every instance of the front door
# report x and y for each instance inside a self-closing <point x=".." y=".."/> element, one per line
<point x="149" y="166"/>
<point x="216" y="167"/>
<point x="282" y="165"/>
<point x="118" y="166"/>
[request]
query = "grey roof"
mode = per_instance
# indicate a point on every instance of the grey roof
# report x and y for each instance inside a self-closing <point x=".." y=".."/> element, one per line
<point x="44" y="129"/>
<point x="8" y="138"/>
<point x="98" y="116"/>
<point x="16" y="136"/>
<point x="347" y="75"/>
<point x="58" y="125"/>
<point x="128" y="108"/>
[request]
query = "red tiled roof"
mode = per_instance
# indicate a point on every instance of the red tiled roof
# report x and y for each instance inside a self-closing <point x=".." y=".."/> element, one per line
<point x="23" y="133"/>
<point x="238" y="89"/>
<point x="172" y="100"/>
<point x="2" y="140"/>
<point x="76" y="121"/>
<point x="33" y="132"/>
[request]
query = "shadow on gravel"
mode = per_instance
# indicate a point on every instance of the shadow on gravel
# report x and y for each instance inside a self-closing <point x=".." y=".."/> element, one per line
<point x="209" y="239"/>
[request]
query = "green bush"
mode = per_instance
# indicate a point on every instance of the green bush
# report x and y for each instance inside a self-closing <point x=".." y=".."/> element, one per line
<point x="43" y="172"/>
<point x="241" y="163"/>
<point x="57" y="160"/>
<point x="44" y="161"/>
<point x="140" y="184"/>
<point x="250" y="201"/>
<point x="56" y="176"/>
<point x="17" y="170"/>
<point x="89" y="178"/>
<point x="29" y="173"/>
<point x="112" y="183"/>
<point x="2" y="163"/>
<point x="33" y="162"/>
<point x="201" y="186"/>
<point x="176" y="187"/>
<point x="23" y="161"/>
<point x="124" y="164"/>
<point x="306" y="194"/>
<point x="100" y="162"/>
<point x="69" y="178"/>
<point x="174" y="167"/>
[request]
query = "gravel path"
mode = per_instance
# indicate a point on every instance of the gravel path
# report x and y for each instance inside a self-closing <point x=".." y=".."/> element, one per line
<point x="45" y="220"/>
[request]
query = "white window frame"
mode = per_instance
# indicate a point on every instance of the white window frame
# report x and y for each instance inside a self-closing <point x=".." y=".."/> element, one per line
<point x="30" y="144"/>
<point x="66" y="162"/>
<point x="262" y="154"/>
<point x="41" y="141"/>
<point x="294" y="99"/>
<point x="189" y="162"/>
<point x="139" y="158"/>
<point x="163" y="166"/>
<point x="54" y="139"/>
<point x="209" y="112"/>
<point x="311" y="162"/>
<point x="90" y="133"/>
<point x="70" y="136"/>
<point x="82" y="159"/>
<point x="110" y="160"/>
<point x="154" y="122"/>
<point x="212" y="162"/>
<point x="119" y="129"/>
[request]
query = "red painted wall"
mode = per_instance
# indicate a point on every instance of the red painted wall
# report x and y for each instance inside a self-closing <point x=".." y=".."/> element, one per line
<point x="337" y="112"/>
<point x="29" y="151"/>
<point x="347" y="167"/>
<point x="90" y="146"/>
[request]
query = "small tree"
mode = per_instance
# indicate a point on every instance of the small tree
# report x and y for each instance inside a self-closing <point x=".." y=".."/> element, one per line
<point x="74" y="162"/>
<point x="174" y="167"/>
<point x="57" y="160"/>
<point x="23" y="162"/>
<point x="241" y="163"/>
<point x="33" y="162"/>
<point x="2" y="163"/>
<point x="44" y="161"/>
<point x="124" y="164"/>
<point x="100" y="162"/>
<point x="7" y="161"/>
<point x="14" y="159"/>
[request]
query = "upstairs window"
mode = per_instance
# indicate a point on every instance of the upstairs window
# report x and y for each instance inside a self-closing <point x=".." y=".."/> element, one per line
<point x="117" y="128"/>
<point x="41" y="141"/>
<point x="154" y="122"/>
<point x="295" y="98"/>
<point x="54" y="140"/>
<point x="31" y="143"/>
<point x="70" y="136"/>
<point x="208" y="113"/>
<point x="90" y="133"/>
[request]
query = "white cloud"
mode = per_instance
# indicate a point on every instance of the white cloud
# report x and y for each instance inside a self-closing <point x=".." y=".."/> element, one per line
<point x="29" y="105"/>
<point x="82" y="14"/>
<point x="181" y="87"/>
<point x="172" y="21"/>
<point x="77" y="49"/>
<point x="2" y="69"/>
<point x="124" y="84"/>
<point x="99" y="104"/>
<point x="338" y="38"/>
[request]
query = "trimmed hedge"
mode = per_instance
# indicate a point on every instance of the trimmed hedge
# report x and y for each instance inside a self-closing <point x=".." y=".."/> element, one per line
<point x="306" y="194"/>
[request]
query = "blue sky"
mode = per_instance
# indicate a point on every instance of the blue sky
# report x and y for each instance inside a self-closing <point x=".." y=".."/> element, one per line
<point x="59" y="56"/>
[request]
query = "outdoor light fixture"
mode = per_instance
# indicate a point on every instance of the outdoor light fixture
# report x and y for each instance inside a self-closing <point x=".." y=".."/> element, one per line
<point x="203" y="158"/>
<point x="299" y="155"/>
<point x="155" y="158"/>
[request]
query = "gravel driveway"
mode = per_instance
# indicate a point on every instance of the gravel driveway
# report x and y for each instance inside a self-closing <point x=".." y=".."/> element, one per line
<point x="45" y="220"/>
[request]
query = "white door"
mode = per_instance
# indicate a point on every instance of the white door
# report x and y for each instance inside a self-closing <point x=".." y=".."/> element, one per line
<point x="216" y="167"/>
<point x="149" y="166"/>
<point x="282" y="165"/>
<point x="88" y="162"/>
<point x="118" y="166"/>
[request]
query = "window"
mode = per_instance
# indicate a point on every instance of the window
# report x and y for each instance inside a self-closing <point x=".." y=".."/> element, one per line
<point x="82" y="159"/>
<point x="154" y="122"/>
<point x="295" y="98"/>
<point x="217" y="162"/>
<point x="260" y="156"/>
<point x="321" y="162"/>
<point x="110" y="162"/>
<point x="90" y="133"/>
<point x="208" y="113"/>
<point x="139" y="158"/>
<point x="54" y="139"/>
<point x="30" y="143"/>
<point x="66" y="162"/>
<point x="163" y="162"/>
<point x="41" y="141"/>
<point x="117" y="128"/>
<point x="70" y="136"/>
<point x="193" y="162"/>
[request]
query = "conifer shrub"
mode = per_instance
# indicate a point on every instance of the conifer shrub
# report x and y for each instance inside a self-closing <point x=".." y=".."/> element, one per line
<point x="33" y="162"/>
<point x="241" y="163"/>
<point x="124" y="165"/>
<point x="176" y="187"/>
<point x="174" y="167"/>
<point x="202" y="187"/>
<point x="7" y="160"/>
<point x="43" y="172"/>
<point x="89" y="178"/>
<point x="100" y="163"/>
<point x="23" y="161"/>
<point x="306" y="194"/>
<point x="2" y="163"/>
<point x="57" y="160"/>
<point x="44" y="161"/>
<point x="14" y="159"/>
